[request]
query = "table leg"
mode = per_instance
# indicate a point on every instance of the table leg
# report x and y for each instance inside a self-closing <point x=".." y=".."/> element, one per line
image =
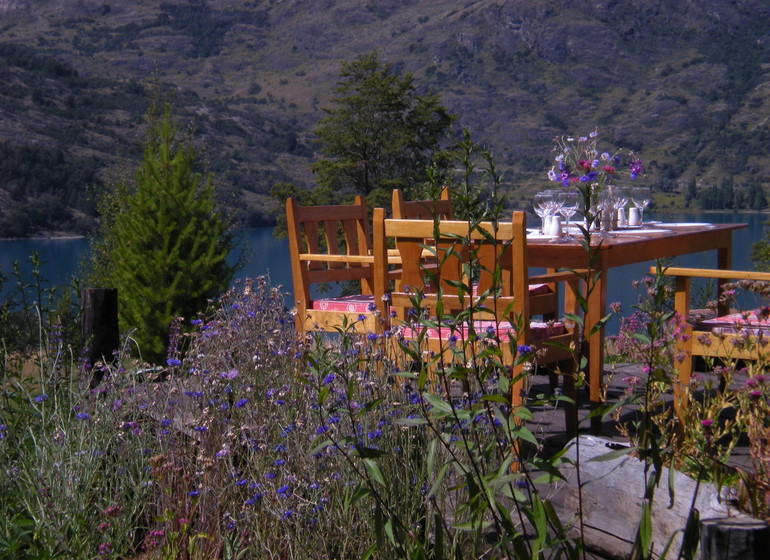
<point x="596" y="305"/>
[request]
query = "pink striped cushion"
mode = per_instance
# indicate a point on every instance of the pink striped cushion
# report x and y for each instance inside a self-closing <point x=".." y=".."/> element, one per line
<point x="538" y="330"/>
<point x="345" y="304"/>
<point x="748" y="322"/>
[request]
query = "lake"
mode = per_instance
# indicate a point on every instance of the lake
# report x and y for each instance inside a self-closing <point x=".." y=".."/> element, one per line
<point x="269" y="256"/>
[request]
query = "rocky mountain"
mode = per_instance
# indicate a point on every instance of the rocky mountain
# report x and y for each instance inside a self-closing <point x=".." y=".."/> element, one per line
<point x="686" y="83"/>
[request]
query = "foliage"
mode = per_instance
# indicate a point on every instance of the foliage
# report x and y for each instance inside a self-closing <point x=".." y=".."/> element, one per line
<point x="379" y="134"/>
<point x="163" y="246"/>
<point x="48" y="188"/>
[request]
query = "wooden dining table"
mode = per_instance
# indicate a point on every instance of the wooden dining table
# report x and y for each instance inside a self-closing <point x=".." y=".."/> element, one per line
<point x="628" y="246"/>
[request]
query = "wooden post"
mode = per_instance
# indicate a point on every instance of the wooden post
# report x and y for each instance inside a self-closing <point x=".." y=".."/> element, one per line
<point x="100" y="326"/>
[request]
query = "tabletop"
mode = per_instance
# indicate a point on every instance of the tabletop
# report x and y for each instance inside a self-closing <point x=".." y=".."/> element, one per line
<point x="631" y="246"/>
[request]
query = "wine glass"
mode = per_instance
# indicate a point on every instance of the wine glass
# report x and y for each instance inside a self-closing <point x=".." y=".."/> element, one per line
<point x="620" y="199"/>
<point x="569" y="202"/>
<point x="542" y="207"/>
<point x="640" y="196"/>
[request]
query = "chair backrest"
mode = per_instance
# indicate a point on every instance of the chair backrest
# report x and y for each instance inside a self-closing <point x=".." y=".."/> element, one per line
<point x="422" y="209"/>
<point x="328" y="244"/>
<point x="487" y="255"/>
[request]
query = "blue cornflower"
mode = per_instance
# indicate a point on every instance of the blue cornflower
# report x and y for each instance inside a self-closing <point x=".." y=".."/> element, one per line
<point x="241" y="482"/>
<point x="328" y="379"/>
<point x="270" y="475"/>
<point x="254" y="499"/>
<point x="288" y="513"/>
<point x="165" y="423"/>
<point x="3" y="427"/>
<point x="372" y="337"/>
<point x="173" y="362"/>
<point x="83" y="416"/>
<point x="371" y="307"/>
<point x="200" y="428"/>
<point x="196" y="322"/>
<point x="374" y="434"/>
<point x="524" y="349"/>
<point x="41" y="398"/>
<point x="280" y="448"/>
<point x="279" y="462"/>
<point x="362" y="317"/>
<point x="240" y="403"/>
<point x="283" y="490"/>
<point x="321" y="430"/>
<point x="193" y="493"/>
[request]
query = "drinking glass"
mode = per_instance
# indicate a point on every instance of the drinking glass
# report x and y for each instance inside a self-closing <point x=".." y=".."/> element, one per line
<point x="619" y="199"/>
<point x="542" y="207"/>
<point x="640" y="196"/>
<point x="569" y="203"/>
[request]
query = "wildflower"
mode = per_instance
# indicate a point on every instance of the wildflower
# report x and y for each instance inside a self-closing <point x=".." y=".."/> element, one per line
<point x="283" y="490"/>
<point x="41" y="398"/>
<point x="270" y="475"/>
<point x="279" y="462"/>
<point x="3" y="427"/>
<point x="372" y="337"/>
<point x="240" y="403"/>
<point x="707" y="423"/>
<point x="193" y="493"/>
<point x="83" y="416"/>
<point x="328" y="379"/>
<point x="524" y="349"/>
<point x="254" y="499"/>
<point x="105" y="548"/>
<point x="200" y="428"/>
<point x="287" y="514"/>
<point x="362" y="317"/>
<point x="232" y="374"/>
<point x="173" y="362"/>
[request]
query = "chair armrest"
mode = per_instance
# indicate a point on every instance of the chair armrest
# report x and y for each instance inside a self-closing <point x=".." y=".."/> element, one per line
<point x="714" y="273"/>
<point x="319" y="257"/>
<point x="561" y="276"/>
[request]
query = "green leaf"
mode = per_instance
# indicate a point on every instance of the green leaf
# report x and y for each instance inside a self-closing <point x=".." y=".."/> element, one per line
<point x="437" y="404"/>
<point x="374" y="471"/>
<point x="613" y="454"/>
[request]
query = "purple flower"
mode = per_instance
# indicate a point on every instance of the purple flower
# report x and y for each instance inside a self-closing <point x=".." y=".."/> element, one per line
<point x="41" y="398"/>
<point x="524" y="349"/>
<point x="240" y="403"/>
<point x="83" y="416"/>
<point x="200" y="428"/>
<point x="283" y="490"/>
<point x="254" y="499"/>
<point x="707" y="422"/>
<point x="328" y="379"/>
<point x="232" y="374"/>
<point x="173" y="362"/>
<point x="193" y="493"/>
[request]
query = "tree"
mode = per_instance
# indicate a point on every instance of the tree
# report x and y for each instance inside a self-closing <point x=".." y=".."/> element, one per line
<point x="164" y="246"/>
<point x="380" y="134"/>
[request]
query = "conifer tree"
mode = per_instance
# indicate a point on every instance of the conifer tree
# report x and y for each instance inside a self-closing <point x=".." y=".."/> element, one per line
<point x="379" y="133"/>
<point x="164" y="246"/>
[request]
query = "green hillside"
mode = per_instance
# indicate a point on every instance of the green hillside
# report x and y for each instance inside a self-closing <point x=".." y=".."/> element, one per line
<point x="686" y="84"/>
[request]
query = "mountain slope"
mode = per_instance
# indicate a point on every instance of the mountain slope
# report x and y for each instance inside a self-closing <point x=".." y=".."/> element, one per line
<point x="685" y="83"/>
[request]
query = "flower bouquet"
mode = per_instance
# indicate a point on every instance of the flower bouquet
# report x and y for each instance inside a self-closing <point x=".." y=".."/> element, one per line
<point x="581" y="165"/>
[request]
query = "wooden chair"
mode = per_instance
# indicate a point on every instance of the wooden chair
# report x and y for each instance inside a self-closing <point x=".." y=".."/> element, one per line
<point x="544" y="297"/>
<point x="495" y="255"/>
<point x="422" y="209"/>
<point x="332" y="244"/>
<point x="730" y="335"/>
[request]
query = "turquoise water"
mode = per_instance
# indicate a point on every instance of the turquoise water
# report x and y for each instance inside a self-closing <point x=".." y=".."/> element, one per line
<point x="269" y="256"/>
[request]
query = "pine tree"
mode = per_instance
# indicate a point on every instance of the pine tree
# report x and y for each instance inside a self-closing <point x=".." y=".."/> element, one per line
<point x="165" y="248"/>
<point x="380" y="133"/>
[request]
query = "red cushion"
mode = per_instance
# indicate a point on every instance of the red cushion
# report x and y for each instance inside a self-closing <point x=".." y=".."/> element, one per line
<point x="746" y="322"/>
<point x="538" y="330"/>
<point x="345" y="304"/>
